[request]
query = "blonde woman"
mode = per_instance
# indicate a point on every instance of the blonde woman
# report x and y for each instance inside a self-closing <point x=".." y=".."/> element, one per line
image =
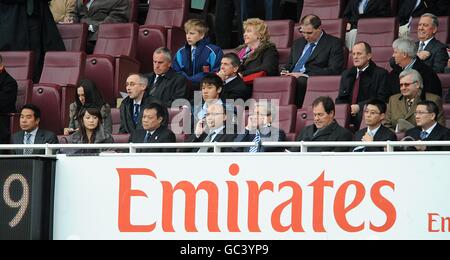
<point x="258" y="55"/>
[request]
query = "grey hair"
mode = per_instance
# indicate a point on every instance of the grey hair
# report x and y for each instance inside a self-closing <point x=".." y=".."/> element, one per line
<point x="433" y="17"/>
<point x="166" y="52"/>
<point x="405" y="45"/>
<point x="416" y="77"/>
<point x="142" y="79"/>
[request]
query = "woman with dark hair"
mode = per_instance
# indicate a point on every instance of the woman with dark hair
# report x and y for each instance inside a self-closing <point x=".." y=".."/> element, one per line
<point x="88" y="94"/>
<point x="91" y="129"/>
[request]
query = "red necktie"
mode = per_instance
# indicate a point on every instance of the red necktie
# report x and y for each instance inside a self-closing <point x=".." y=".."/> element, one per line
<point x="356" y="89"/>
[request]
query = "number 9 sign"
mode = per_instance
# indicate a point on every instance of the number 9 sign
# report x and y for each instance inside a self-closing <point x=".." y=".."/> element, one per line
<point x="22" y="203"/>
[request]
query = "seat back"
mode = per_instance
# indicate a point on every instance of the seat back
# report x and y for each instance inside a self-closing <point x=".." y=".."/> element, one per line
<point x="445" y="82"/>
<point x="133" y="4"/>
<point x="275" y="88"/>
<point x="325" y="9"/>
<point x="377" y="31"/>
<point x="19" y="64"/>
<point x="286" y="118"/>
<point x="335" y="27"/>
<point x="49" y="99"/>
<point x="168" y="13"/>
<point x="179" y="120"/>
<point x="74" y="36"/>
<point x="321" y="86"/>
<point x="447" y="115"/>
<point x="115" y="117"/>
<point x="117" y="39"/>
<point x="280" y="32"/>
<point x="63" y="68"/>
<point x="121" y="138"/>
<point x="442" y="34"/>
<point x="24" y="88"/>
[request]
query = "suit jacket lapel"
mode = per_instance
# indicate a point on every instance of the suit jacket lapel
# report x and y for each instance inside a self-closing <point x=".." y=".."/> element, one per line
<point x="434" y="135"/>
<point x="39" y="139"/>
<point x="319" y="47"/>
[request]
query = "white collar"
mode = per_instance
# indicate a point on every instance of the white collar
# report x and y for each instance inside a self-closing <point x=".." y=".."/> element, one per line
<point x="429" y="130"/>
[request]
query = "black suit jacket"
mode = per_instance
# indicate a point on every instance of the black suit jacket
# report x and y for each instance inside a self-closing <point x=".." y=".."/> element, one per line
<point x="431" y="82"/>
<point x="8" y="96"/>
<point x="236" y="89"/>
<point x="42" y="137"/>
<point x="436" y="7"/>
<point x="161" y="135"/>
<point x="170" y="87"/>
<point x="326" y="59"/>
<point x="438" y="58"/>
<point x="383" y="134"/>
<point x="374" y="83"/>
<point x="127" y="125"/>
<point x="375" y="8"/>
<point x="439" y="133"/>
<point x="332" y="133"/>
<point x="220" y="138"/>
<point x="268" y="134"/>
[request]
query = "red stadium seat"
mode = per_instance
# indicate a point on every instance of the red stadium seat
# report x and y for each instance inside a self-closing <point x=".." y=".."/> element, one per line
<point x="447" y="115"/>
<point x="278" y="88"/>
<point x="19" y="64"/>
<point x="281" y="33"/>
<point x="445" y="81"/>
<point x="23" y="93"/>
<point x="378" y="31"/>
<point x="321" y="86"/>
<point x="113" y="59"/>
<point x="286" y="118"/>
<point x="442" y="34"/>
<point x="164" y="27"/>
<point x="74" y="36"/>
<point x="121" y="138"/>
<point x="325" y="9"/>
<point x="179" y="120"/>
<point x="115" y="117"/>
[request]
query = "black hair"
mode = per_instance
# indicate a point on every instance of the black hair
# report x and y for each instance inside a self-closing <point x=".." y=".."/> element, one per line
<point x="161" y="111"/>
<point x="34" y="108"/>
<point x="94" y="111"/>
<point x="381" y="105"/>
<point x="431" y="107"/>
<point x="327" y="102"/>
<point x="235" y="61"/>
<point x="92" y="96"/>
<point x="212" y="79"/>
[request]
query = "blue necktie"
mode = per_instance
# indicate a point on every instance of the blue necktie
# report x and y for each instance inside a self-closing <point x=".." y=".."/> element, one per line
<point x="303" y="59"/>
<point x="136" y="114"/>
<point x="147" y="136"/>
<point x="193" y="54"/>
<point x="363" y="6"/>
<point x="257" y="140"/>
<point x="423" y="135"/>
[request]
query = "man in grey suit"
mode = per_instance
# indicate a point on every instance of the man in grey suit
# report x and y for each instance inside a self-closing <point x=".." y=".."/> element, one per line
<point x="30" y="117"/>
<point x="431" y="51"/>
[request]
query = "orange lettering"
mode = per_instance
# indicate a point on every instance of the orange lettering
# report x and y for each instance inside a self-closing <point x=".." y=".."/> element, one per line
<point x="340" y="210"/>
<point x="296" y="209"/>
<point x="385" y="205"/>
<point x="319" y="189"/>
<point x="253" y="203"/>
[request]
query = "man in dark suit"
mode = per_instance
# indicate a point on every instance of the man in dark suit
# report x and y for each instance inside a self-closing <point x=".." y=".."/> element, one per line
<point x="212" y="129"/>
<point x="130" y="109"/>
<point x="8" y="96"/>
<point x="375" y="131"/>
<point x="154" y="122"/>
<point x="233" y="85"/>
<point x="164" y="84"/>
<point x="30" y="116"/>
<point x="413" y="8"/>
<point x="363" y="82"/>
<point x="357" y="9"/>
<point x="325" y="128"/>
<point x="431" y="51"/>
<point x="428" y="129"/>
<point x="405" y="57"/>
<point x="259" y="128"/>
<point x="316" y="53"/>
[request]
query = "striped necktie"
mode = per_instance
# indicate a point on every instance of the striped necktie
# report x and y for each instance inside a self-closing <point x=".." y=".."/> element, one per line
<point x="28" y="141"/>
<point x="257" y="140"/>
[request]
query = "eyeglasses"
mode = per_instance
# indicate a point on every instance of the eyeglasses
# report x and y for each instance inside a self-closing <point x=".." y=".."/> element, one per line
<point x="372" y="113"/>
<point x="407" y="84"/>
<point x="420" y="113"/>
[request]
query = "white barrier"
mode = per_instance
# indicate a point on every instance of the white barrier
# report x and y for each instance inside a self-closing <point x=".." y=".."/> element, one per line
<point x="256" y="197"/>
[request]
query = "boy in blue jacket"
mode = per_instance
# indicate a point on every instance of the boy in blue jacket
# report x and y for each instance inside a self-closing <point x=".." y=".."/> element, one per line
<point x="197" y="57"/>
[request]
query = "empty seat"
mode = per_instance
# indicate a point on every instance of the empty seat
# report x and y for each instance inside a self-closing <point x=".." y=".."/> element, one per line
<point x="281" y="34"/>
<point x="335" y="27"/>
<point x="74" y="36"/>
<point x="445" y="82"/>
<point x="275" y="88"/>
<point x="378" y="31"/>
<point x="113" y="59"/>
<point x="121" y="138"/>
<point x="24" y="88"/>
<point x="321" y="86"/>
<point x="325" y="9"/>
<point x="115" y="118"/>
<point x="19" y="64"/>
<point x="442" y="34"/>
<point x="164" y="26"/>
<point x="286" y="118"/>
<point x="57" y="87"/>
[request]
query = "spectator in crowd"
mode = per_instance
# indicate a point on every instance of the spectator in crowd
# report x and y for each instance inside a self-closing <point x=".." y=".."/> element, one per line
<point x="357" y="9"/>
<point x="91" y="130"/>
<point x="130" y="109"/>
<point x="270" y="8"/>
<point x="88" y="94"/>
<point x="415" y="8"/>
<point x="375" y="131"/>
<point x="260" y="128"/>
<point x="165" y="84"/>
<point x="154" y="122"/>
<point x="30" y="117"/>
<point x="197" y="57"/>
<point x="63" y="10"/>
<point x="258" y="55"/>
<point x="316" y="53"/>
<point x="8" y="96"/>
<point x="428" y="129"/>
<point x="431" y="51"/>
<point x="94" y="13"/>
<point x="234" y="87"/>
<point x="405" y="57"/>
<point x="211" y="86"/>
<point x="225" y="12"/>
<point x="363" y="82"/>
<point x="325" y="127"/>
<point x="29" y="25"/>
<point x="212" y="129"/>
<point x="401" y="107"/>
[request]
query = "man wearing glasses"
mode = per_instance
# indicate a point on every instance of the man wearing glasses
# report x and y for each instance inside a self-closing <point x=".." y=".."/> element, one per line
<point x="401" y="108"/>
<point x="316" y="53"/>
<point x="374" y="115"/>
